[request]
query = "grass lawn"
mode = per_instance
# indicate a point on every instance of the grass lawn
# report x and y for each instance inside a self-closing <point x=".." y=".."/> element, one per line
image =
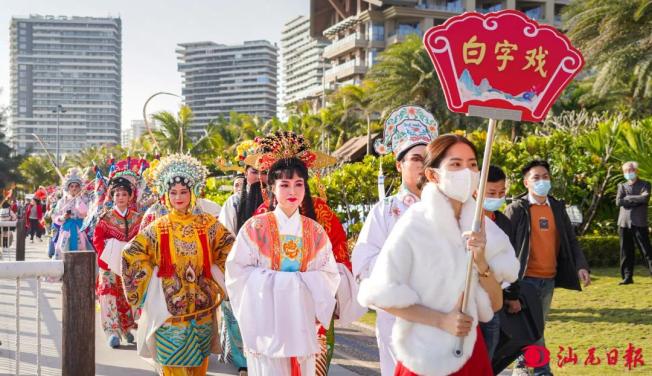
<point x="604" y="316"/>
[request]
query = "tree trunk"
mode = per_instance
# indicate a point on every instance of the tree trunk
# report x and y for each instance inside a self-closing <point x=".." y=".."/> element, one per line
<point x="598" y="193"/>
<point x="368" y="135"/>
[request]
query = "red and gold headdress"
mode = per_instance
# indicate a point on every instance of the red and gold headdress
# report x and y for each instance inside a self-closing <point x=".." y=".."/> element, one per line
<point x="284" y="145"/>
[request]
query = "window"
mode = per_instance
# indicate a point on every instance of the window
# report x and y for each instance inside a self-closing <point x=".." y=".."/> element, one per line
<point x="377" y="32"/>
<point x="373" y="56"/>
<point x="407" y="29"/>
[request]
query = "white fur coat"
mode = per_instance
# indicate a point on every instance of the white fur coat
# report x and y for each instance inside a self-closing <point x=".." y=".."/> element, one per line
<point x="424" y="262"/>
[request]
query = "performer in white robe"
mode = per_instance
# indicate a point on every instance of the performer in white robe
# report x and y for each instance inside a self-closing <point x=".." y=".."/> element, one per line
<point x="282" y="279"/>
<point x="408" y="130"/>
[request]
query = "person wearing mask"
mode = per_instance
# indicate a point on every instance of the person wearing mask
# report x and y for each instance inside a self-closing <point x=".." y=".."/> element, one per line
<point x="494" y="200"/>
<point x="408" y="129"/>
<point x="545" y="244"/>
<point x="420" y="274"/>
<point x="633" y="198"/>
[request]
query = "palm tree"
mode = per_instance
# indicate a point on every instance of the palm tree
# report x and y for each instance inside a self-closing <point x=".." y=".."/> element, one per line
<point x="614" y="37"/>
<point x="404" y="74"/>
<point x="172" y="135"/>
<point x="37" y="170"/>
<point x="353" y="102"/>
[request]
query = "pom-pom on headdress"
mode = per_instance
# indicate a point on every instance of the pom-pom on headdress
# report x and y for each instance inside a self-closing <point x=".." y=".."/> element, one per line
<point x="246" y="148"/>
<point x="179" y="168"/>
<point x="284" y="145"/>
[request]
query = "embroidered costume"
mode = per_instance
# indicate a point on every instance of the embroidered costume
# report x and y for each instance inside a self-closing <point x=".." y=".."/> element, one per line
<point x="405" y="127"/>
<point x="287" y="145"/>
<point x="69" y="215"/>
<point x="174" y="270"/>
<point x="112" y="232"/>
<point x="282" y="278"/>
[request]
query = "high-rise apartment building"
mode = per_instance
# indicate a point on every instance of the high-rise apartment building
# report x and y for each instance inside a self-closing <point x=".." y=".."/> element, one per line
<point x="65" y="82"/>
<point x="359" y="29"/>
<point x="136" y="129"/>
<point x="302" y="62"/>
<point x="220" y="79"/>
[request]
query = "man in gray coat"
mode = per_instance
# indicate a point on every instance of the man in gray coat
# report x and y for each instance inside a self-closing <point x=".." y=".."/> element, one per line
<point x="633" y="197"/>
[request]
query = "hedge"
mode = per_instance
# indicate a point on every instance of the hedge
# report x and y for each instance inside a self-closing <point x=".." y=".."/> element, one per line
<point x="601" y="250"/>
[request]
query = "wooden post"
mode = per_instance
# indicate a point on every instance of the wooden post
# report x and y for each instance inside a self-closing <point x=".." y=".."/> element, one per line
<point x="20" y="236"/>
<point x="78" y="327"/>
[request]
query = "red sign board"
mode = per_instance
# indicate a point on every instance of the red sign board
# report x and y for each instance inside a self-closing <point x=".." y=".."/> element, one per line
<point x="502" y="60"/>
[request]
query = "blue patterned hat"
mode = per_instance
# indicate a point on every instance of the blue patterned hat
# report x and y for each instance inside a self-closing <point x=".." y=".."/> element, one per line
<point x="405" y="127"/>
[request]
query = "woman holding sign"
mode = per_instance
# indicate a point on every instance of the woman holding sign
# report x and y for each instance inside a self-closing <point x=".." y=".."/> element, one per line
<point x="420" y="273"/>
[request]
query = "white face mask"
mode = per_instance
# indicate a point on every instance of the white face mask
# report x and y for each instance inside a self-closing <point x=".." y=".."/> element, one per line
<point x="458" y="185"/>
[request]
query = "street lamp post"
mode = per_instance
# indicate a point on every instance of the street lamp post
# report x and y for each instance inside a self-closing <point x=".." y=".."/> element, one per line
<point x="58" y="110"/>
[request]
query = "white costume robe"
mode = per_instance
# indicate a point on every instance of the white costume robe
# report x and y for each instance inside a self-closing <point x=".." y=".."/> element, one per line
<point x="278" y="295"/>
<point x="229" y="213"/>
<point x="424" y="262"/>
<point x="374" y="233"/>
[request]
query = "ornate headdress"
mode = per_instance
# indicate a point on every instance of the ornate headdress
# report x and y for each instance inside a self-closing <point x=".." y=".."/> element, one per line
<point x="284" y="145"/>
<point x="74" y="175"/>
<point x="246" y="148"/>
<point x="180" y="168"/>
<point x="128" y="169"/>
<point x="405" y="127"/>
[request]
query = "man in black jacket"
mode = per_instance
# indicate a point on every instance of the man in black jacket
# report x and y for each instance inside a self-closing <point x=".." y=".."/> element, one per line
<point x="545" y="244"/>
<point x="633" y="198"/>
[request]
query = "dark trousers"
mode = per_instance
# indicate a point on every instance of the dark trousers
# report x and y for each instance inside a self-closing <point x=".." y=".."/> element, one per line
<point x="629" y="236"/>
<point x="34" y="228"/>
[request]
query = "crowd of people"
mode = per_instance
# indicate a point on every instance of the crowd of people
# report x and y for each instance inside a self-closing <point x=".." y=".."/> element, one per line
<point x="262" y="280"/>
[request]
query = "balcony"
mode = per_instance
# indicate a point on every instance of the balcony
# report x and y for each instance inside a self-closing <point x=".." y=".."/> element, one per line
<point x="348" y="69"/>
<point x="344" y="45"/>
<point x="402" y="32"/>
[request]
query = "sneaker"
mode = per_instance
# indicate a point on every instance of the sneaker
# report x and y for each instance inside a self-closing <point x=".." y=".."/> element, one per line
<point x="130" y="338"/>
<point x="114" y="341"/>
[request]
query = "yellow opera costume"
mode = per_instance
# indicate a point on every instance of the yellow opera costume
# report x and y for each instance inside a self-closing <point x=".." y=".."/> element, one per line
<point x="174" y="270"/>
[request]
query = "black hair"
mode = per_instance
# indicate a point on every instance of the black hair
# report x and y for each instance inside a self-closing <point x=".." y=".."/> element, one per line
<point x="287" y="168"/>
<point x="535" y="163"/>
<point x="120" y="183"/>
<point x="250" y="199"/>
<point x="400" y="156"/>
<point x="496" y="174"/>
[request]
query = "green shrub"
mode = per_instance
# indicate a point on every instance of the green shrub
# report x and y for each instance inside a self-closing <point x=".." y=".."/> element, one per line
<point x="601" y="250"/>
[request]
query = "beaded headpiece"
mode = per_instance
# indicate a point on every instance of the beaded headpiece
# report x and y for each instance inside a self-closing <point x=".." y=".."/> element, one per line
<point x="74" y="175"/>
<point x="179" y="168"/>
<point x="284" y="145"/>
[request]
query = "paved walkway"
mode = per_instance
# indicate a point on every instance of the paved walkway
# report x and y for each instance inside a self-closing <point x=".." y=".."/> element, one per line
<point x="108" y="362"/>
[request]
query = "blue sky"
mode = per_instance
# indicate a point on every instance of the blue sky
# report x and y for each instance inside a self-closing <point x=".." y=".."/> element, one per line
<point x="150" y="33"/>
